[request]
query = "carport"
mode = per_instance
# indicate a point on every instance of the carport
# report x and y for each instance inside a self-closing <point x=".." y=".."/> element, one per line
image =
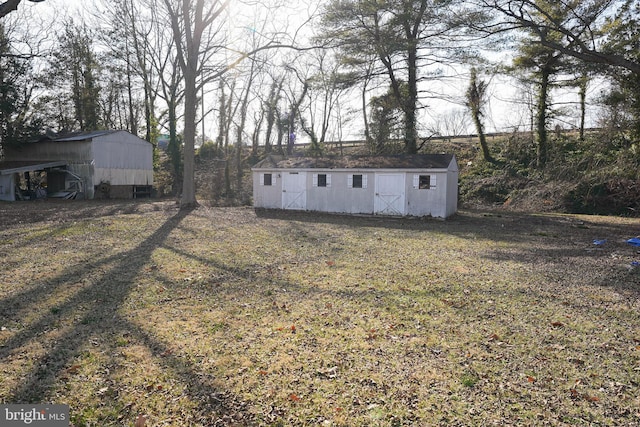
<point x="11" y="173"/>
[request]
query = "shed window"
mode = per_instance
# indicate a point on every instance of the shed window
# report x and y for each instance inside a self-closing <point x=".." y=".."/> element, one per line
<point x="321" y="180"/>
<point x="357" y="181"/>
<point x="266" y="179"/>
<point x="424" y="182"/>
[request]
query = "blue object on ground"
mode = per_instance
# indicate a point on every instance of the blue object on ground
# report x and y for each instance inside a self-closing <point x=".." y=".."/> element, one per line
<point x="599" y="242"/>
<point x="635" y="241"/>
<point x="635" y="263"/>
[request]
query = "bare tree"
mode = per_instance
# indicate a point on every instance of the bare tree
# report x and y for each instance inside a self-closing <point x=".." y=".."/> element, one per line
<point x="195" y="26"/>
<point x="198" y="32"/>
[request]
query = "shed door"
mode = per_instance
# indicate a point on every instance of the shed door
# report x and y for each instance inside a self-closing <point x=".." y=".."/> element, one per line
<point x="294" y="190"/>
<point x="389" y="198"/>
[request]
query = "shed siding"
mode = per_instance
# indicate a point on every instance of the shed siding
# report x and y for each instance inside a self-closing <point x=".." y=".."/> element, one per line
<point x="339" y="197"/>
<point x="426" y="202"/>
<point x="267" y="196"/>
<point x="6" y="188"/>
<point x="119" y="158"/>
<point x="122" y="150"/>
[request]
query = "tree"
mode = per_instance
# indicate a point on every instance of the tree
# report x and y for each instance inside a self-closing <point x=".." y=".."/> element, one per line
<point x="73" y="91"/>
<point x="582" y="28"/>
<point x="476" y="100"/>
<point x="326" y="83"/>
<point x="385" y="122"/>
<point x="543" y="64"/>
<point x="603" y="32"/>
<point x="402" y="34"/>
<point x="130" y="38"/>
<point x="192" y="24"/>
<point x="270" y="106"/>
<point x="623" y="36"/>
<point x="16" y="126"/>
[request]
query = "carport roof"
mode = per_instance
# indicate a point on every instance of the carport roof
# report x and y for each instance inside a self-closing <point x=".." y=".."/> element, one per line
<point x="17" y="166"/>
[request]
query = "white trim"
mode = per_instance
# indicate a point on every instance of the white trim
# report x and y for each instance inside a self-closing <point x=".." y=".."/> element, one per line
<point x="328" y="180"/>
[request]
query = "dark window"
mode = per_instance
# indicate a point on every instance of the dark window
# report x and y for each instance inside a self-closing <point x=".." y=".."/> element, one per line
<point x="267" y="179"/>
<point x="357" y="181"/>
<point x="322" y="180"/>
<point x="424" y="182"/>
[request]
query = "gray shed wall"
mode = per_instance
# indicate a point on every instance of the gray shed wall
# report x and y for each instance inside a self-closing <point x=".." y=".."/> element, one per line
<point x="119" y="158"/>
<point x="440" y="201"/>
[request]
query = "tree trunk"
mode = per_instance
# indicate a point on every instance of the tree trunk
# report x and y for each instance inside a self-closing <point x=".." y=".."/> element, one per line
<point x="582" y="93"/>
<point x="188" y="199"/>
<point x="410" y="104"/>
<point x="541" y="118"/>
<point x="367" y="134"/>
<point x="174" y="146"/>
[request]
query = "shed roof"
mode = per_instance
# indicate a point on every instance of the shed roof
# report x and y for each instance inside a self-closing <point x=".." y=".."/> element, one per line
<point x="77" y="136"/>
<point x="404" y="161"/>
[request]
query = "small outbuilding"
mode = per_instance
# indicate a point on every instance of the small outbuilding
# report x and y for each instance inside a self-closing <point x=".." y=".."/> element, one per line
<point x="405" y="185"/>
<point x="100" y="164"/>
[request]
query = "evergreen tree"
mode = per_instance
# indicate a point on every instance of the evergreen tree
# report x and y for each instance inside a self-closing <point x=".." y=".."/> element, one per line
<point x="16" y="125"/>
<point x="402" y="35"/>
<point x="73" y="76"/>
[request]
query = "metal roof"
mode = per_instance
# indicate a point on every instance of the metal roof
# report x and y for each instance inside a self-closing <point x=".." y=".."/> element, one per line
<point x="17" y="166"/>
<point x="404" y="161"/>
<point x="78" y="136"/>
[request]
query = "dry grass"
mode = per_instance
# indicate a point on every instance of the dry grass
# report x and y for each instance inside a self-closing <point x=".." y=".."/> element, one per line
<point x="225" y="316"/>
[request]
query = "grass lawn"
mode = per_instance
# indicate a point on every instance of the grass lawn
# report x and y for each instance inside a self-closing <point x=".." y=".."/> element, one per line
<point x="140" y="314"/>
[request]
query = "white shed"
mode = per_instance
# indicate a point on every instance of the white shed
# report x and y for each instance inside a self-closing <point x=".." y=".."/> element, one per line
<point x="404" y="185"/>
<point x="110" y="163"/>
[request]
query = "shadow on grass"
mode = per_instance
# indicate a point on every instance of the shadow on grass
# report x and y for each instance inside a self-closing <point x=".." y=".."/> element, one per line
<point x="93" y="313"/>
<point x="566" y="241"/>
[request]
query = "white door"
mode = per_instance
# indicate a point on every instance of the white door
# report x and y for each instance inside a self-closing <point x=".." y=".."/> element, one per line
<point x="294" y="190"/>
<point x="389" y="198"/>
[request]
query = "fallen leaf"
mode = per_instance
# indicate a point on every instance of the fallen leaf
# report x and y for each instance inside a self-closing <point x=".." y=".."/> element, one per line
<point x="140" y="421"/>
<point x="73" y="369"/>
<point x="294" y="398"/>
<point x="531" y="379"/>
<point x="293" y="329"/>
<point x="494" y="337"/>
<point x="557" y="324"/>
<point x="330" y="263"/>
<point x="262" y="372"/>
<point x="591" y="398"/>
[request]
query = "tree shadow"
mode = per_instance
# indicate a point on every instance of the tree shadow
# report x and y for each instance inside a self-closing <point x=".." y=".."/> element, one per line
<point x="565" y="242"/>
<point x="92" y="313"/>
